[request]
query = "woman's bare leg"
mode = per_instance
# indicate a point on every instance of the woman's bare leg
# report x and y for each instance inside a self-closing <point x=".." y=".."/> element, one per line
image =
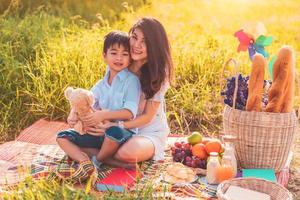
<point x="136" y="149"/>
<point x="72" y="150"/>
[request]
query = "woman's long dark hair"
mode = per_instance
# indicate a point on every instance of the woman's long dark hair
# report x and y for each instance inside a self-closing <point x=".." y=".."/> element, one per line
<point x="159" y="65"/>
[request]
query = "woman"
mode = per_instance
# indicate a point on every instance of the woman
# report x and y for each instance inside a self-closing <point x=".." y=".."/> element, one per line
<point x="152" y="63"/>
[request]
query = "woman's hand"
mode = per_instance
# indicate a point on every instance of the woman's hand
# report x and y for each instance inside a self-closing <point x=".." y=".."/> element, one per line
<point x="108" y="124"/>
<point x="100" y="129"/>
<point x="93" y="119"/>
<point x="96" y="131"/>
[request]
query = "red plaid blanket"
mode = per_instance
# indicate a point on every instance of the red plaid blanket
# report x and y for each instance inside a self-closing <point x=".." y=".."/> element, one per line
<point x="35" y="153"/>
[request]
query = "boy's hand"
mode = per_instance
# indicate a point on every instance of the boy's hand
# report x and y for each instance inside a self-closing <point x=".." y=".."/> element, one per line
<point x="93" y="119"/>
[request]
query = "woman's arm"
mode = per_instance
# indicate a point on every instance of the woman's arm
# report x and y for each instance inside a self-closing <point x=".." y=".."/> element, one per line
<point x="100" y="115"/>
<point x="146" y="117"/>
<point x="143" y="119"/>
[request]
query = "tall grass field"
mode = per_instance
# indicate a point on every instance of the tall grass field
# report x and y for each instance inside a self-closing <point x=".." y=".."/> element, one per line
<point x="47" y="45"/>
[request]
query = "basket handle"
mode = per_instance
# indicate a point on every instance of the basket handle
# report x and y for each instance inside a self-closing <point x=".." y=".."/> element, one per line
<point x="298" y="82"/>
<point x="236" y="67"/>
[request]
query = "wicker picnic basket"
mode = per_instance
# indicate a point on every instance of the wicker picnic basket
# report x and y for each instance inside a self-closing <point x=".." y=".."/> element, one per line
<point x="275" y="190"/>
<point x="264" y="139"/>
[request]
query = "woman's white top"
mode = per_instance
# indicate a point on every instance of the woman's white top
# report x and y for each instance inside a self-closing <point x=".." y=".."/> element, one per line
<point x="157" y="130"/>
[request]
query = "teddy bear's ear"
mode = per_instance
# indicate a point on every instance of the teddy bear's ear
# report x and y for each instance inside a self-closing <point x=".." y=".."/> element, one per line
<point x="68" y="92"/>
<point x="90" y="98"/>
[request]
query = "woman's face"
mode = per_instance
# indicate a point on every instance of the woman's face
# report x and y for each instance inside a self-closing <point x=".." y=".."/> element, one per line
<point x="138" y="47"/>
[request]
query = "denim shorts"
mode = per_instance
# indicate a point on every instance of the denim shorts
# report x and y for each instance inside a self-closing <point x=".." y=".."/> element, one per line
<point x="120" y="135"/>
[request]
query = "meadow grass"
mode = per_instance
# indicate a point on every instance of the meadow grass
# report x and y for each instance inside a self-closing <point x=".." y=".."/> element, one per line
<point x="46" y="46"/>
<point x="43" y="51"/>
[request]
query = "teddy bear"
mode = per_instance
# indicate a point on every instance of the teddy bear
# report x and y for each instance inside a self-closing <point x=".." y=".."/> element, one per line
<point x="81" y="101"/>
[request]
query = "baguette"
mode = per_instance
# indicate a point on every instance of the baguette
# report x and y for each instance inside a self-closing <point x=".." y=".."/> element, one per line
<point x="256" y="84"/>
<point x="281" y="93"/>
<point x="287" y="105"/>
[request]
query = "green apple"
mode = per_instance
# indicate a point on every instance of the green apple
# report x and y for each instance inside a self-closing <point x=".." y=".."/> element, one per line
<point x="195" y="138"/>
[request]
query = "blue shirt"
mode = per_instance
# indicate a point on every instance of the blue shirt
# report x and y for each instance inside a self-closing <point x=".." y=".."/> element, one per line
<point x="123" y="93"/>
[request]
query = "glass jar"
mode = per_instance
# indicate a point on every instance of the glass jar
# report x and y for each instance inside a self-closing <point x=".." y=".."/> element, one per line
<point x="225" y="171"/>
<point x="230" y="152"/>
<point x="212" y="166"/>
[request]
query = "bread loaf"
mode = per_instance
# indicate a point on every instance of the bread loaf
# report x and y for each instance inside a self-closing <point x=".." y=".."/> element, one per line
<point x="256" y="83"/>
<point x="288" y="102"/>
<point x="281" y="93"/>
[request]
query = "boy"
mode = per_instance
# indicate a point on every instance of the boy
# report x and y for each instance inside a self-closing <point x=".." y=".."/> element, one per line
<point x="116" y="99"/>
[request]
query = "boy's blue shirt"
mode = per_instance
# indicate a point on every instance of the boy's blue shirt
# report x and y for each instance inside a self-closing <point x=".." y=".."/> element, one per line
<point x="123" y="93"/>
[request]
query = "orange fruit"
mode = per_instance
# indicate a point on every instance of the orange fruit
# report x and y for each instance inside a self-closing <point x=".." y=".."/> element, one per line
<point x="199" y="151"/>
<point x="205" y="140"/>
<point x="213" y="146"/>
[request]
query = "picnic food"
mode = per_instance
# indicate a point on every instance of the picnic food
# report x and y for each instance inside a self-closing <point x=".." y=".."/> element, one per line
<point x="282" y="90"/>
<point x="182" y="152"/>
<point x="256" y="84"/>
<point x="199" y="151"/>
<point x="194" y="138"/>
<point x="178" y="173"/>
<point x="242" y="92"/>
<point x="213" y="146"/>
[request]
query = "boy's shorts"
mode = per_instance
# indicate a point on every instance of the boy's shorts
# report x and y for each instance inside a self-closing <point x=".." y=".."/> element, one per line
<point x="120" y="135"/>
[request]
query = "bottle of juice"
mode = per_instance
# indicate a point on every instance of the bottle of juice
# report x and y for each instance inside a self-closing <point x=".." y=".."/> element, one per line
<point x="212" y="165"/>
<point x="230" y="152"/>
<point x="225" y="171"/>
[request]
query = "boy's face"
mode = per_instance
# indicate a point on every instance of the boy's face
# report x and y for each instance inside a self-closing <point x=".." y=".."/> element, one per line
<point x="117" y="57"/>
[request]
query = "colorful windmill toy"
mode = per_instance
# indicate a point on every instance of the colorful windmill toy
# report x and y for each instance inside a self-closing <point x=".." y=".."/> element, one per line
<point x="248" y="42"/>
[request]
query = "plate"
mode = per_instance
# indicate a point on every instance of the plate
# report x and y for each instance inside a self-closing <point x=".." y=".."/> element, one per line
<point x="169" y="180"/>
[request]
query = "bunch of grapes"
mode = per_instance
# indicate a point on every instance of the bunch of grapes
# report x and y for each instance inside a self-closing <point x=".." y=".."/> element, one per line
<point x="242" y="92"/>
<point x="181" y="152"/>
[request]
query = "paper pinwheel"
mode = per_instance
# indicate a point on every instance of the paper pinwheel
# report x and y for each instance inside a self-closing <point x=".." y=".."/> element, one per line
<point x="248" y="42"/>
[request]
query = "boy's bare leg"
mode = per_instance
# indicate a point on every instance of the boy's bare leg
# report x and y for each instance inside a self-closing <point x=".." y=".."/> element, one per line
<point x="90" y="151"/>
<point x="108" y="148"/>
<point x="72" y="150"/>
<point x="117" y="163"/>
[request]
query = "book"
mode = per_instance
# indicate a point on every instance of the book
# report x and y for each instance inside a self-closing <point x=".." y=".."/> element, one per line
<point x="267" y="174"/>
<point x="238" y="193"/>
<point x="118" y="180"/>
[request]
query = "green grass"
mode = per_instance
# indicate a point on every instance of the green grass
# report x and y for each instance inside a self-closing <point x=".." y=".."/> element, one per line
<point x="46" y="46"/>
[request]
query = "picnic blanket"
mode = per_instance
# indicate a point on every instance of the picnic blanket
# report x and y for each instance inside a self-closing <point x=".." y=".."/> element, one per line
<point x="35" y="153"/>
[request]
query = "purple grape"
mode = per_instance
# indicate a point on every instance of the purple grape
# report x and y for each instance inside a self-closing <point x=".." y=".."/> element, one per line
<point x="188" y="152"/>
<point x="189" y="164"/>
<point x="188" y="159"/>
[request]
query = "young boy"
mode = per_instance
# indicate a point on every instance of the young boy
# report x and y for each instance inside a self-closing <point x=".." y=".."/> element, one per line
<point x="116" y="99"/>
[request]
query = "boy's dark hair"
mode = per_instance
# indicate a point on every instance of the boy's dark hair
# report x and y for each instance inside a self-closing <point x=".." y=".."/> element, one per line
<point x="116" y="37"/>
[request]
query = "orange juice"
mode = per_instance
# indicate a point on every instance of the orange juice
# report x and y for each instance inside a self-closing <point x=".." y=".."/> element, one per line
<point x="224" y="172"/>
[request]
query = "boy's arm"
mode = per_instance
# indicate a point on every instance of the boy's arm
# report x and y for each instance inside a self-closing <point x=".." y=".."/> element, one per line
<point x="131" y="102"/>
<point x="127" y="112"/>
